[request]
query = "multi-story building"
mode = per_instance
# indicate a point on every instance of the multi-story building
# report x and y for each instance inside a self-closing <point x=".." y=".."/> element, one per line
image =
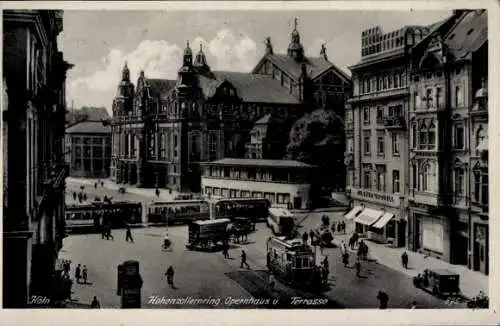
<point x="285" y="183"/>
<point x="88" y="149"/>
<point x="163" y="129"/>
<point x="376" y="133"/>
<point x="34" y="169"/>
<point x="448" y="123"/>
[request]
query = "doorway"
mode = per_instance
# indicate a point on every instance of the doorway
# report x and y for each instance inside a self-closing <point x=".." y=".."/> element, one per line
<point x="297" y="202"/>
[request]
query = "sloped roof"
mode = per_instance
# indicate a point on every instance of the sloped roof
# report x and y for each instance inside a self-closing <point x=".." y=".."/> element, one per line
<point x="161" y="87"/>
<point x="88" y="114"/>
<point x="259" y="162"/>
<point x="249" y="87"/>
<point x="468" y="35"/>
<point x="89" y="127"/>
<point x="315" y="66"/>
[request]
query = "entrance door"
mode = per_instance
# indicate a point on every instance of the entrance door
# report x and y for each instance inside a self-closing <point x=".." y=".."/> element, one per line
<point x="481" y="249"/>
<point x="297" y="202"/>
<point x="401" y="240"/>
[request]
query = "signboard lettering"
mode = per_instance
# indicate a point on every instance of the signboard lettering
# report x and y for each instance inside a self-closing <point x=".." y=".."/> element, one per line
<point x="374" y="195"/>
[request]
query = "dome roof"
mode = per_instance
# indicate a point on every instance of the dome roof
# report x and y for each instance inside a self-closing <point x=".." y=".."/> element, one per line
<point x="200" y="59"/>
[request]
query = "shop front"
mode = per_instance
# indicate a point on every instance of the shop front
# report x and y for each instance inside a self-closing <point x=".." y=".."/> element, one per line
<point x="431" y="235"/>
<point x="480" y="248"/>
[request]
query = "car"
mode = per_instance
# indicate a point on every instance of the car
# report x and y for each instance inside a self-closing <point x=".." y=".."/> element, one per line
<point x="439" y="282"/>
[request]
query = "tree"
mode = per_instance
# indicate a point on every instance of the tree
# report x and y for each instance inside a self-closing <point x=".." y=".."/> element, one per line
<point x="318" y="139"/>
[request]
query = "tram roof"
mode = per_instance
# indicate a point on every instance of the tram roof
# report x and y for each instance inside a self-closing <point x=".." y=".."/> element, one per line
<point x="278" y="211"/>
<point x="259" y="162"/>
<point x="208" y="222"/>
<point x="235" y="200"/>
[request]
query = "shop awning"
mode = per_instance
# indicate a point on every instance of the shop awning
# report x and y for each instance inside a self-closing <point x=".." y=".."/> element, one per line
<point x="368" y="216"/>
<point x="353" y="212"/>
<point x="383" y="220"/>
<point x="483" y="145"/>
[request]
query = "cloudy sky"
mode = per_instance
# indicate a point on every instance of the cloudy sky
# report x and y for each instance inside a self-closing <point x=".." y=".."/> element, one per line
<point x="99" y="42"/>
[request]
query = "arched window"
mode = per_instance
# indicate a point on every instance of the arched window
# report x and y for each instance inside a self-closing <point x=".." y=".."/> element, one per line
<point x="431" y="136"/>
<point x="459" y="182"/>
<point x="480" y="136"/>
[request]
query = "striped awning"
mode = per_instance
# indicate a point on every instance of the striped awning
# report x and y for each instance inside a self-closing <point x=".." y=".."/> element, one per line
<point x="483" y="145"/>
<point x="381" y="222"/>
<point x="353" y="212"/>
<point x="368" y="216"/>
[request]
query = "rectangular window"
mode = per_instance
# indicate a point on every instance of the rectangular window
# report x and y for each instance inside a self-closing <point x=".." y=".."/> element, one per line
<point x="414" y="176"/>
<point x="395" y="181"/>
<point x="416" y="100"/>
<point x="422" y="139"/>
<point x="432" y="139"/>
<point x="367" y="142"/>
<point x="380" y="144"/>
<point x="395" y="144"/>
<point x="350" y="145"/>
<point x="380" y="115"/>
<point x="459" y="182"/>
<point x="212" y="146"/>
<point x="428" y="98"/>
<point x="459" y="137"/>
<point x="381" y="178"/>
<point x="386" y="82"/>
<point x="439" y="97"/>
<point x="349" y="116"/>
<point x="367" y="181"/>
<point x="458" y="97"/>
<point x="396" y="110"/>
<point x="366" y="115"/>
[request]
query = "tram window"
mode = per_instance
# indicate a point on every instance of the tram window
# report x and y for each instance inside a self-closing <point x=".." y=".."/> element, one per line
<point x="305" y="262"/>
<point x="298" y="263"/>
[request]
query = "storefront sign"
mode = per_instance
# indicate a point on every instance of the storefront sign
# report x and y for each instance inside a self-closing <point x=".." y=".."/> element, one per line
<point x="373" y="196"/>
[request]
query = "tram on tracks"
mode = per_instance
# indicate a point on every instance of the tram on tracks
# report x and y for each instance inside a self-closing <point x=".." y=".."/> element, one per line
<point x="90" y="217"/>
<point x="293" y="262"/>
<point x="178" y="211"/>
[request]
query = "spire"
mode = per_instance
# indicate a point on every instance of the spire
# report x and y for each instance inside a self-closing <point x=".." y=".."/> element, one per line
<point x="295" y="49"/>
<point x="188" y="56"/>
<point x="269" y="46"/>
<point x="200" y="61"/>
<point x="322" y="52"/>
<point x="125" y="73"/>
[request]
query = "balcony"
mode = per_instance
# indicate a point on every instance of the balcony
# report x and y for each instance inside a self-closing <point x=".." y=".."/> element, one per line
<point x="348" y="159"/>
<point x="394" y="123"/>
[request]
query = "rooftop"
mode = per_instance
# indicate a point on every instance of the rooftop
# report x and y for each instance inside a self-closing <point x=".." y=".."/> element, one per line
<point x="88" y="127"/>
<point x="249" y="87"/>
<point x="161" y="87"/>
<point x="259" y="162"/>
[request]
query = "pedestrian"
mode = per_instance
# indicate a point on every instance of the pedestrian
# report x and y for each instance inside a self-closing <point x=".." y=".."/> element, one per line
<point x="383" y="298"/>
<point x="325" y="263"/>
<point x="343" y="247"/>
<point x="84" y="274"/>
<point x="327" y="221"/>
<point x="66" y="267"/>
<point x="244" y="259"/>
<point x="102" y="184"/>
<point x="157" y="192"/>
<point x="128" y="235"/>
<point x="404" y="260"/>
<point x="311" y="236"/>
<point x="225" y="249"/>
<point x="414" y="305"/>
<point x="325" y="273"/>
<point x="95" y="303"/>
<point x="84" y="197"/>
<point x="74" y="195"/>
<point x="333" y="227"/>
<point x="80" y="197"/>
<point x="343" y="227"/>
<point x="95" y="185"/>
<point x="345" y="259"/>
<point x="103" y="232"/>
<point x="78" y="274"/>
<point x="358" y="267"/>
<point x="272" y="282"/>
<point x="305" y="237"/>
<point x="108" y="232"/>
<point x="170" y="276"/>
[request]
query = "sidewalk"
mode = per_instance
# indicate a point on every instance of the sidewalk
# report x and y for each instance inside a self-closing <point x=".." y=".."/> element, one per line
<point x="471" y="282"/>
<point x="108" y="184"/>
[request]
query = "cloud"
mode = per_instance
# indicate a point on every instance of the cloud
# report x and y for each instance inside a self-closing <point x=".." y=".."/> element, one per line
<point x="341" y="56"/>
<point x="160" y="59"/>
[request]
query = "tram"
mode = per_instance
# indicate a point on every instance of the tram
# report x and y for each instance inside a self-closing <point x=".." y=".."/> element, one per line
<point x="292" y="261"/>
<point x="178" y="211"/>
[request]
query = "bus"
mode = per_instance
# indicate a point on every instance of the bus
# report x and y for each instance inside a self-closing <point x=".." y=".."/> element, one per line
<point x="91" y="217"/>
<point x="253" y="208"/>
<point x="281" y="221"/>
<point x="178" y="211"/>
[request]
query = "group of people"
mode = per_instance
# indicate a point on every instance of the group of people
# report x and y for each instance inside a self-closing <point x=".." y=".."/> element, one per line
<point x="81" y="273"/>
<point x="82" y="196"/>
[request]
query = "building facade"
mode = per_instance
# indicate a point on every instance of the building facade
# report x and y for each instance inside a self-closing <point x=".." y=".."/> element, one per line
<point x="34" y="167"/>
<point x="284" y="183"/>
<point x="88" y="149"/>
<point x="163" y="129"/>
<point x="376" y="132"/>
<point x="448" y="123"/>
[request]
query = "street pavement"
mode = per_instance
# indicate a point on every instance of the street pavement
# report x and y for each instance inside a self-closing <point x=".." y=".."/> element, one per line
<point x="209" y="275"/>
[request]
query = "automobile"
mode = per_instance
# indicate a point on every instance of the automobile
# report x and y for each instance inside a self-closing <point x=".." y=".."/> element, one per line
<point x="323" y="237"/>
<point x="244" y="223"/>
<point x="122" y="190"/>
<point x="439" y="282"/>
